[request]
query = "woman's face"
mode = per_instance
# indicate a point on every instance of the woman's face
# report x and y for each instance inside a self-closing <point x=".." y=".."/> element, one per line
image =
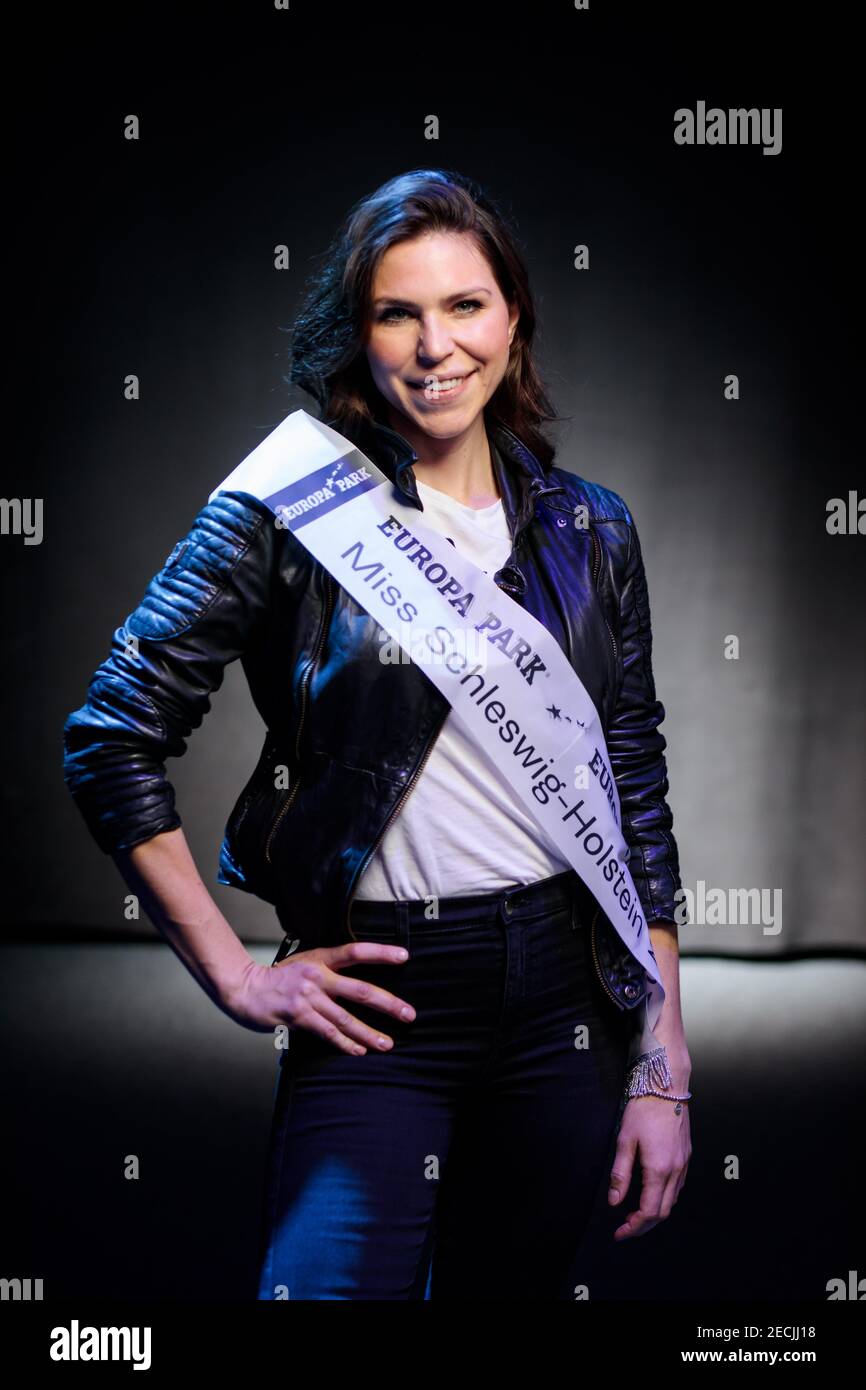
<point x="437" y="314"/>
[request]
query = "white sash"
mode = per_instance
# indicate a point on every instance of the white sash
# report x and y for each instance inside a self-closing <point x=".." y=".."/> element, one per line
<point x="517" y="696"/>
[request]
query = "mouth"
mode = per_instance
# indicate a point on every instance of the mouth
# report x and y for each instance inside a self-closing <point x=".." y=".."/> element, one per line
<point x="442" y="388"/>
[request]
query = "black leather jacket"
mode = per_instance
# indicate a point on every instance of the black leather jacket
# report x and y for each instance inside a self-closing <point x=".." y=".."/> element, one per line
<point x="354" y="733"/>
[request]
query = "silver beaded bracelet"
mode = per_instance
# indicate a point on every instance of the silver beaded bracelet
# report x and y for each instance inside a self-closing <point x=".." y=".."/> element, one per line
<point x="653" y="1067"/>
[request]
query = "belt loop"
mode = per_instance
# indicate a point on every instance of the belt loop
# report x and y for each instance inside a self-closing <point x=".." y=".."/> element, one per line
<point x="402" y="922"/>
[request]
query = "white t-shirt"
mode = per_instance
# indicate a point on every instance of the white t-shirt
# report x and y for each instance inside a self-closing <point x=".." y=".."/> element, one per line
<point x="461" y="830"/>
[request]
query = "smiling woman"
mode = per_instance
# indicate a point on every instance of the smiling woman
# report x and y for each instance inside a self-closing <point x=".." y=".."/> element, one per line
<point x="422" y="322"/>
<point x="443" y="348"/>
<point x="424" y="287"/>
<point x="384" y="834"/>
<point x="437" y="355"/>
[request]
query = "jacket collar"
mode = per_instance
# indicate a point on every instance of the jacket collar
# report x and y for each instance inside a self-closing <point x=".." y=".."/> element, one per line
<point x="520" y="476"/>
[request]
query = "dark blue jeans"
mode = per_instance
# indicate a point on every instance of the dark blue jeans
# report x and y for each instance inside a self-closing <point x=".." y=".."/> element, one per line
<point x="464" y="1162"/>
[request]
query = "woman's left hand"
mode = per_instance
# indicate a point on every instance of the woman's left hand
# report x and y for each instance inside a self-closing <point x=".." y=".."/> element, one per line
<point x="652" y="1130"/>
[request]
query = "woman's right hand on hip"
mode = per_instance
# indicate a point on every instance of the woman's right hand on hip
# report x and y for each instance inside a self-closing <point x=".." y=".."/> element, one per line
<point x="304" y="990"/>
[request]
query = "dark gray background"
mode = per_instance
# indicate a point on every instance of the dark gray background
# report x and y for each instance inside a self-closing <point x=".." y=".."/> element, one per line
<point x="156" y="258"/>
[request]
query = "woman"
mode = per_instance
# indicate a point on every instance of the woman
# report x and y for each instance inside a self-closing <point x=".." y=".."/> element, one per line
<point x="461" y="1025"/>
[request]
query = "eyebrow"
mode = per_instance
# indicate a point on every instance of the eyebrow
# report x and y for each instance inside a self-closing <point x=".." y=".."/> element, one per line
<point x="408" y="303"/>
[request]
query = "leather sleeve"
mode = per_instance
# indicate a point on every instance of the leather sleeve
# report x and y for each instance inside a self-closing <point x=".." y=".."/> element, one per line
<point x="197" y="615"/>
<point x="636" y="748"/>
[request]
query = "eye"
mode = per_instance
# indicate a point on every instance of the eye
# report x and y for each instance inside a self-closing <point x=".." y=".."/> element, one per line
<point x="387" y="315"/>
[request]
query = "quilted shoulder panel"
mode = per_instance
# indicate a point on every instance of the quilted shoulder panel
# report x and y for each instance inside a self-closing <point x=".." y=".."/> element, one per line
<point x="199" y="566"/>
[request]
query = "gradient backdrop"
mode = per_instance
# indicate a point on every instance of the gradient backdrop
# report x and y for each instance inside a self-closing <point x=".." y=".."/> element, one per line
<point x="156" y="258"/>
<point x="261" y="128"/>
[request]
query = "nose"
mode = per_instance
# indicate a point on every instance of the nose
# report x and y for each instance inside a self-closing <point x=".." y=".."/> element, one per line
<point x="434" y="339"/>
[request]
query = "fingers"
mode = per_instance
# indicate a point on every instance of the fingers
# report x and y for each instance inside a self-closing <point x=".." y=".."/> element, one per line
<point x="639" y="1222"/>
<point x="621" y="1169"/>
<point x="658" y="1197"/>
<point x="669" y="1196"/>
<point x="332" y="1022"/>
<point x="312" y="987"/>
<point x="358" y="952"/>
<point x="682" y="1178"/>
<point x="373" y="996"/>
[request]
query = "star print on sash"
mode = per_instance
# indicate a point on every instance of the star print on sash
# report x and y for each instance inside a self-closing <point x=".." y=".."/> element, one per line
<point x="557" y="714"/>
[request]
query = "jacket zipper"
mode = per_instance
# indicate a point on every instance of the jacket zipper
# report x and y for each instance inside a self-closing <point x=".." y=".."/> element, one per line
<point x="596" y="570"/>
<point x="305" y="681"/>
<point x="536" y="489"/>
<point x="598" y="969"/>
<point x="392" y="813"/>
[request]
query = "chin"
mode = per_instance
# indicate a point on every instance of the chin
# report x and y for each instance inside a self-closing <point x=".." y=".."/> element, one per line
<point x="441" y="428"/>
<point x="465" y="412"/>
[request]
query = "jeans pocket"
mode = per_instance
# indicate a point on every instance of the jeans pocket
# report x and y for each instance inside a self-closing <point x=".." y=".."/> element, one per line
<point x="389" y="936"/>
<point x="561" y="917"/>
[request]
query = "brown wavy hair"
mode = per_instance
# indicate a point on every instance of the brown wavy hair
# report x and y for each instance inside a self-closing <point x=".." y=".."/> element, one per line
<point x="327" y="344"/>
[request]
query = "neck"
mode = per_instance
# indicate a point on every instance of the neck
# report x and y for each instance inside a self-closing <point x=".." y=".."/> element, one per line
<point x="461" y="467"/>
